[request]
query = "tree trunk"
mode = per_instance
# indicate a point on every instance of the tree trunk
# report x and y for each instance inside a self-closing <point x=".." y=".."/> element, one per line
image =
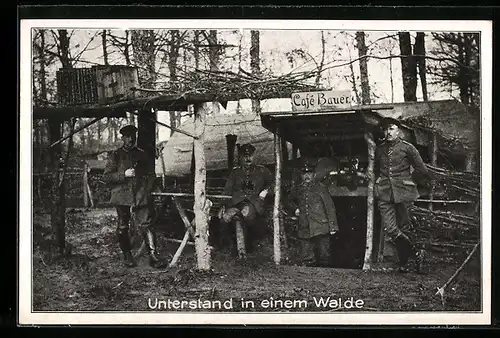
<point x="408" y="67"/>
<point x="58" y="191"/>
<point x="277" y="199"/>
<point x="255" y="64"/>
<point x="126" y="49"/>
<point x="58" y="202"/>
<point x="146" y="138"/>
<point x="392" y="80"/>
<point x="173" y="56"/>
<point x="370" y="210"/>
<point x="240" y="54"/>
<point x="203" y="253"/>
<point x="213" y="57"/>
<point x="465" y="92"/>
<point x="143" y="45"/>
<point x="105" y="47"/>
<point x="64" y="56"/>
<point x="196" y="43"/>
<point x="109" y="127"/>
<point x="322" y="61"/>
<point x="43" y="73"/>
<point x="419" y="51"/>
<point x="353" y="78"/>
<point x="363" y="68"/>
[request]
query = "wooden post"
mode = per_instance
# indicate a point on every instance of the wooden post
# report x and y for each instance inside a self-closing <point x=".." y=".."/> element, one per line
<point x="434" y="150"/>
<point x="277" y="199"/>
<point x="370" y="201"/>
<point x="85" y="183"/>
<point x="381" y="243"/>
<point x="200" y="177"/>
<point x="91" y="199"/>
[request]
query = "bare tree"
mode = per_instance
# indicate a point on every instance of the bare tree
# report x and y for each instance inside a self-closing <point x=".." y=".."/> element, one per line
<point x="363" y="67"/>
<point x="353" y="76"/>
<point x="408" y="67"/>
<point x="122" y="44"/>
<point x="173" y="56"/>
<point x="322" y="60"/>
<point x="419" y="52"/>
<point x="455" y="62"/>
<point x="255" y="64"/>
<point x="105" y="47"/>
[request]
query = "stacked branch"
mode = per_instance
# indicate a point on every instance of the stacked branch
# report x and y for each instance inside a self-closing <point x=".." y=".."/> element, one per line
<point x="445" y="229"/>
<point x="461" y="185"/>
<point x="227" y="85"/>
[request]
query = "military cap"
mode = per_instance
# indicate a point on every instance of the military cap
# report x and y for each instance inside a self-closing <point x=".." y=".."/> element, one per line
<point x="387" y="121"/>
<point x="246" y="149"/>
<point x="128" y="130"/>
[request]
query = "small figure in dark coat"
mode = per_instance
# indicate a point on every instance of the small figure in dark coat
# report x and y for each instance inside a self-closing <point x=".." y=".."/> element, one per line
<point x="131" y="181"/>
<point x="317" y="216"/>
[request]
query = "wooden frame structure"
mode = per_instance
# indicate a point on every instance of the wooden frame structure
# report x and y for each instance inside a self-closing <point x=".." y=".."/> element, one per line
<point x="302" y="129"/>
<point x="143" y="103"/>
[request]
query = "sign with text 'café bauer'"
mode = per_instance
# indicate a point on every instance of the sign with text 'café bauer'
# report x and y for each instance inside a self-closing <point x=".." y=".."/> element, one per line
<point x="321" y="100"/>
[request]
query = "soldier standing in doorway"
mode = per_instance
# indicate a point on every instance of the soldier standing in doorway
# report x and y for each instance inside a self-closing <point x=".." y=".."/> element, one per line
<point x="395" y="190"/>
<point x="317" y="215"/>
<point x="128" y="174"/>
<point x="248" y="184"/>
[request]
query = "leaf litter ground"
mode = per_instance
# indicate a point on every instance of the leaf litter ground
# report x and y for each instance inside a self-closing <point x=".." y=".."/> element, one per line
<point x="92" y="277"/>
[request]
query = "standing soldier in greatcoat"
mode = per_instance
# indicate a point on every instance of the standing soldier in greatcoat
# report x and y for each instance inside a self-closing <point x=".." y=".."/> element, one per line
<point x="317" y="215"/>
<point x="131" y="181"/>
<point x="395" y="190"/>
<point x="248" y="184"/>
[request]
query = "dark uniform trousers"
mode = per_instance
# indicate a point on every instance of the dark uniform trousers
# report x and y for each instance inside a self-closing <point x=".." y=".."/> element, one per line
<point x="395" y="191"/>
<point x="315" y="250"/>
<point x="132" y="194"/>
<point x="244" y="186"/>
<point x="144" y="216"/>
<point x="395" y="217"/>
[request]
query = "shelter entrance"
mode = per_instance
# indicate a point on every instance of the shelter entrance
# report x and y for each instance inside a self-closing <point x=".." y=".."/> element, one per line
<point x="345" y="138"/>
<point x="348" y="245"/>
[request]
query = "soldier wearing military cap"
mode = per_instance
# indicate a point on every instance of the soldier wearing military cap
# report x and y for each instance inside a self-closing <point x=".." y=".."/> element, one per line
<point x="248" y="185"/>
<point x="131" y="181"/>
<point x="316" y="212"/>
<point x="395" y="190"/>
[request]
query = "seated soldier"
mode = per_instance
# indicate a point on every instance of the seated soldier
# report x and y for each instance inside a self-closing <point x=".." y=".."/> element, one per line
<point x="248" y="184"/>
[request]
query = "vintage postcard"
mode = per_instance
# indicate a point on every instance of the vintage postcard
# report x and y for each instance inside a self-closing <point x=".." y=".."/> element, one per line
<point x="255" y="172"/>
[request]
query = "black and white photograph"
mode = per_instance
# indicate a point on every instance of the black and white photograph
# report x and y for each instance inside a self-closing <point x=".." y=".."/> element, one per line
<point x="255" y="172"/>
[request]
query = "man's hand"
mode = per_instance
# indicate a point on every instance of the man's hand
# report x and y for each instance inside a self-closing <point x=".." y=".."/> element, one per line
<point x="333" y="232"/>
<point x="297" y="212"/>
<point x="263" y="193"/>
<point x="130" y="172"/>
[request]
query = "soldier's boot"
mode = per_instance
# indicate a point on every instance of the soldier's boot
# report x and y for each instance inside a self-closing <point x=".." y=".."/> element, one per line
<point x="404" y="248"/>
<point x="150" y="240"/>
<point x="410" y="251"/>
<point x="126" y="247"/>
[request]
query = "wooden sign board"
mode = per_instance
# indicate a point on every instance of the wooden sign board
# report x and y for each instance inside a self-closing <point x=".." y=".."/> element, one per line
<point x="321" y="100"/>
